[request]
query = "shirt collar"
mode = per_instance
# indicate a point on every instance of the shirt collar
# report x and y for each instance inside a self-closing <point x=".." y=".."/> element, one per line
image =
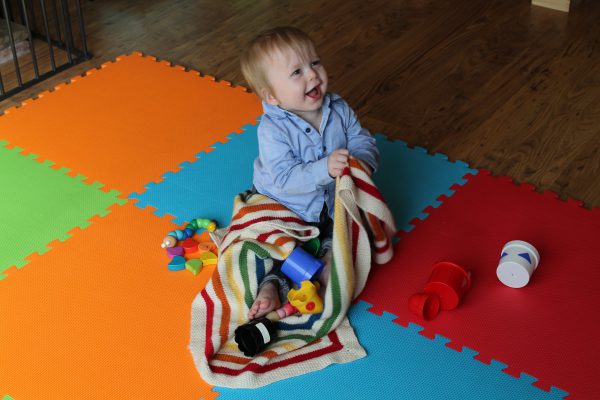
<point x="277" y="112"/>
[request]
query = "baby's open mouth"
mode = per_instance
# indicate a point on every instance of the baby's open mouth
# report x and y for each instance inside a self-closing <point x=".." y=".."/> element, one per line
<point x="315" y="93"/>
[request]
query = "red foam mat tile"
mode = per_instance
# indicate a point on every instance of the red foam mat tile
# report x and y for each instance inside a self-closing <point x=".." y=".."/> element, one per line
<point x="549" y="328"/>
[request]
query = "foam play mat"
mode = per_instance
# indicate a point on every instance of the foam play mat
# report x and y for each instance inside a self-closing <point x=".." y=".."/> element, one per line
<point x="96" y="172"/>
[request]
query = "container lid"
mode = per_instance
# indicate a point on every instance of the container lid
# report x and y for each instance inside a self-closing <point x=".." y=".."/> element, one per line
<point x="513" y="274"/>
<point x="455" y="266"/>
<point x="424" y="305"/>
<point x="520" y="244"/>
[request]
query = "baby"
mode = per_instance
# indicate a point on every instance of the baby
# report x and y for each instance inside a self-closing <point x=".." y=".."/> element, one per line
<point x="305" y="137"/>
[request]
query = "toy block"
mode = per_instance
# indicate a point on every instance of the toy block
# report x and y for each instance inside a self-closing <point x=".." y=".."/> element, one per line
<point x="175" y="251"/>
<point x="177" y="263"/>
<point x="209" y="258"/>
<point x="194" y="265"/>
<point x="190" y="246"/>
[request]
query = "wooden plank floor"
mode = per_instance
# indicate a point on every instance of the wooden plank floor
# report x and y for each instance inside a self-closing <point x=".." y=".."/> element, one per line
<point x="500" y="84"/>
<point x="26" y="68"/>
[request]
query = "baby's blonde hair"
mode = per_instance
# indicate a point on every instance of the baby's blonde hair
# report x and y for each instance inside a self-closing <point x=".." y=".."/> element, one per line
<point x="264" y="45"/>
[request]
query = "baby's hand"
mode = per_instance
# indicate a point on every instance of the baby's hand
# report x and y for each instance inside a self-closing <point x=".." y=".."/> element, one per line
<point x="337" y="161"/>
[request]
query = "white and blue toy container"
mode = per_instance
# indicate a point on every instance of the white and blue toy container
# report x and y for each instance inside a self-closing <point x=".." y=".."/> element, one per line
<point x="518" y="260"/>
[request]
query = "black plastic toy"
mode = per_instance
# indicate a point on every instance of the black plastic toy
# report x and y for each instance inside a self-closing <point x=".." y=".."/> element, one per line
<point x="254" y="336"/>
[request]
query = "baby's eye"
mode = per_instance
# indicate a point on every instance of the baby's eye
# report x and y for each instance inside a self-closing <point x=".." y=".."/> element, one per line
<point x="296" y="72"/>
<point x="316" y="62"/>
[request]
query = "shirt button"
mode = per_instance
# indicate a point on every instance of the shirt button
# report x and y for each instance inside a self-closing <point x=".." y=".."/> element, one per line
<point x="307" y="130"/>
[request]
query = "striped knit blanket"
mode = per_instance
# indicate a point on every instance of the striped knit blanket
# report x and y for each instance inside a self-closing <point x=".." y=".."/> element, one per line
<point x="262" y="230"/>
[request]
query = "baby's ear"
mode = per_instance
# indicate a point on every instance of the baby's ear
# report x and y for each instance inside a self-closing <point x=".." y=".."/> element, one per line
<point x="269" y="98"/>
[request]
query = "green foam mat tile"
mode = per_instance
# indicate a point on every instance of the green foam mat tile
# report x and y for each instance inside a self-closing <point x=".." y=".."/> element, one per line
<point x="39" y="204"/>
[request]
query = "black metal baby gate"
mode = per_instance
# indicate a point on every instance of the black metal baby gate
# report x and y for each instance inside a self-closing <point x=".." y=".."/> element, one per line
<point x="38" y="39"/>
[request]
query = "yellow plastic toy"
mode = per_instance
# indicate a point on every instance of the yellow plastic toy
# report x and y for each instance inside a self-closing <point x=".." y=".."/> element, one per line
<point x="209" y="258"/>
<point x="306" y="299"/>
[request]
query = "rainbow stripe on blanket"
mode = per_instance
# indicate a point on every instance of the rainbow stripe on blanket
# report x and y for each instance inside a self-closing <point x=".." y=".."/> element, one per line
<point x="263" y="230"/>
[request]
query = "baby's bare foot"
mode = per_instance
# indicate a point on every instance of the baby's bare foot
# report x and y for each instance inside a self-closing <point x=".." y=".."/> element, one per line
<point x="266" y="301"/>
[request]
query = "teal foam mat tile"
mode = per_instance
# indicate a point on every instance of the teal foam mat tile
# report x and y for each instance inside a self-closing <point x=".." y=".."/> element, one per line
<point x="400" y="364"/>
<point x="411" y="180"/>
<point x="205" y="188"/>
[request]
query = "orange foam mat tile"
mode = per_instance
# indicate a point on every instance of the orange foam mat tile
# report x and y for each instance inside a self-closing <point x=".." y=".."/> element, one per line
<point x="130" y="121"/>
<point x="101" y="317"/>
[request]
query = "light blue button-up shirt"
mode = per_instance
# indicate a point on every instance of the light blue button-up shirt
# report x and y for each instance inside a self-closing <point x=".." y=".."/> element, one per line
<point x="291" y="166"/>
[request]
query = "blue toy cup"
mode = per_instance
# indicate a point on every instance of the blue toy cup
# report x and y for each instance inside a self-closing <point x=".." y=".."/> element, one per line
<point x="301" y="266"/>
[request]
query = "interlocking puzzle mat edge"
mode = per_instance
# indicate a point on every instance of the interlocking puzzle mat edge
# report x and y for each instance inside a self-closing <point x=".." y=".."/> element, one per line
<point x="107" y="63"/>
<point x="442" y="177"/>
<point x="144" y="70"/>
<point x="440" y="199"/>
<point x="72" y="294"/>
<point x="192" y="186"/>
<point x="401" y="361"/>
<point x="512" y="370"/>
<point x="88" y="200"/>
<point x="122" y="196"/>
<point x="174" y="193"/>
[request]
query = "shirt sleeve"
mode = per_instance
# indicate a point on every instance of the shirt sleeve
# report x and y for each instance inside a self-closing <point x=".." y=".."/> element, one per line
<point x="360" y="142"/>
<point x="280" y="166"/>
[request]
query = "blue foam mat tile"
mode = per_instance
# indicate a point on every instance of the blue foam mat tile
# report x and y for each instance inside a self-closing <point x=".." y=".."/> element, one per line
<point x="558" y="393"/>
<point x="411" y="180"/>
<point x="206" y="187"/>
<point x="401" y="364"/>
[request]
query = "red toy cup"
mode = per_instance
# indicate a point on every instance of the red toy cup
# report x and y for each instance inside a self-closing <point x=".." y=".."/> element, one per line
<point x="424" y="305"/>
<point x="450" y="282"/>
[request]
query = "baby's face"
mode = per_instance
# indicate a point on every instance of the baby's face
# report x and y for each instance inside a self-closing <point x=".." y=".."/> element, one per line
<point x="298" y="83"/>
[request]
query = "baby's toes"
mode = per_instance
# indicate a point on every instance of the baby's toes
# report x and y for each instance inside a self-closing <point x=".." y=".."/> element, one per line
<point x="254" y="309"/>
